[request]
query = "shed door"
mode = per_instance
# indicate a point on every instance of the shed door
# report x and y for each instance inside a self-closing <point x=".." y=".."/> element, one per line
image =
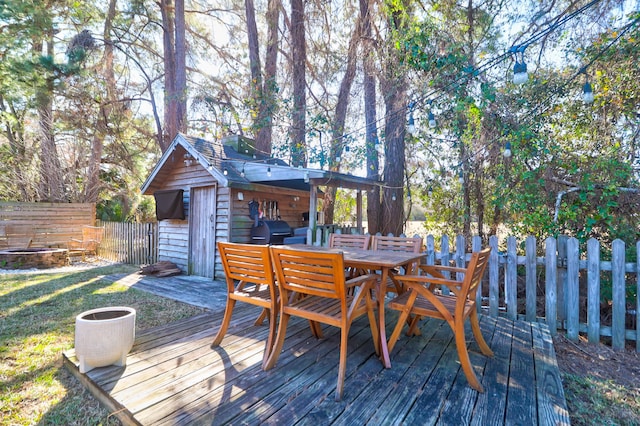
<point x="202" y="231"/>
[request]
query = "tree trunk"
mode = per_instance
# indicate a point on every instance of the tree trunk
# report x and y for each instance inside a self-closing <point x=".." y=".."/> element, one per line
<point x="371" y="138"/>
<point x="180" y="49"/>
<point x="51" y="186"/>
<point x="394" y="87"/>
<point x="298" y="122"/>
<point x="93" y="184"/>
<point x="337" y="127"/>
<point x="263" y="90"/>
<point x="170" y="105"/>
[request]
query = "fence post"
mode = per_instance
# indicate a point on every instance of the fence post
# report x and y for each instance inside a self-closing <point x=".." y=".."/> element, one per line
<point x="511" y="279"/>
<point x="562" y="277"/>
<point x="494" y="277"/>
<point x="444" y="260"/>
<point x="476" y="245"/>
<point x="638" y="296"/>
<point x="430" y="257"/>
<point x="573" y="288"/>
<point x="531" y="277"/>
<point x="593" y="290"/>
<point x="461" y="251"/>
<point x="618" y="291"/>
<point x="551" y="285"/>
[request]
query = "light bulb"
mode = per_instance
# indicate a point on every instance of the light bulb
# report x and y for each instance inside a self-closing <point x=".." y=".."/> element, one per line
<point x="268" y="171"/>
<point x="432" y="120"/>
<point x="412" y="125"/>
<point x="306" y="177"/>
<point x="507" y="150"/>
<point x="520" y="75"/>
<point x="393" y="196"/>
<point x="587" y="93"/>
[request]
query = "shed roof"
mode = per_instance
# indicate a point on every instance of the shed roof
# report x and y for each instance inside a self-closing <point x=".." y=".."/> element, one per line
<point x="234" y="169"/>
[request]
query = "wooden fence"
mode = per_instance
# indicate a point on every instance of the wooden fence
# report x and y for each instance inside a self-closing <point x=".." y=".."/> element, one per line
<point x="43" y="224"/>
<point x="133" y="243"/>
<point x="562" y="287"/>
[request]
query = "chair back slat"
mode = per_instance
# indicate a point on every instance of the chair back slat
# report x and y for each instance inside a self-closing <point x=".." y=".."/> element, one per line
<point x="390" y="243"/>
<point x="349" y="241"/>
<point x="473" y="277"/>
<point x="309" y="272"/>
<point x="246" y="262"/>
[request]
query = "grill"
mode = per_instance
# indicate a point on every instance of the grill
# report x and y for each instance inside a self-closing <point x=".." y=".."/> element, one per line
<point x="270" y="232"/>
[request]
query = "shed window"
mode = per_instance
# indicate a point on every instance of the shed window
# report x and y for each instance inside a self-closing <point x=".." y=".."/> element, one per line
<point x="169" y="204"/>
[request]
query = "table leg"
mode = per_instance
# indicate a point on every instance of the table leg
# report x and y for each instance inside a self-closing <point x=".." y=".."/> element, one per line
<point x="382" y="290"/>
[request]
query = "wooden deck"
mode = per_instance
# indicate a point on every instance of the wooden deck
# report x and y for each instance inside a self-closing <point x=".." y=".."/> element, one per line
<point x="174" y="377"/>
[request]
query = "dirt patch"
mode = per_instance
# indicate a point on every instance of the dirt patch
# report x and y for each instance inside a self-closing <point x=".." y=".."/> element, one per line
<point x="598" y="360"/>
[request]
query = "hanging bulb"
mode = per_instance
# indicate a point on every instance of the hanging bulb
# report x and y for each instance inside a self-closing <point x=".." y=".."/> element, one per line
<point x="411" y="127"/>
<point x="306" y="177"/>
<point x="338" y="158"/>
<point x="430" y="191"/>
<point x="269" y="171"/>
<point x="520" y="75"/>
<point x="242" y="172"/>
<point x="587" y="93"/>
<point x="393" y="196"/>
<point x="461" y="177"/>
<point x="432" y="120"/>
<point x="507" y="150"/>
<point x="226" y="171"/>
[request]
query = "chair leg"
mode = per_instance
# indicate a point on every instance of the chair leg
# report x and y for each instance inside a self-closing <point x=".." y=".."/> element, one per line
<point x="316" y="329"/>
<point x="463" y="355"/>
<point x="404" y="315"/>
<point x="225" y="322"/>
<point x="277" y="347"/>
<point x="271" y="339"/>
<point x="262" y="317"/>
<point x="342" y="367"/>
<point x="477" y="333"/>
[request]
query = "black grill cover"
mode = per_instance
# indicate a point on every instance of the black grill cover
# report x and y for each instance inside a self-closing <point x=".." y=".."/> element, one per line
<point x="270" y="232"/>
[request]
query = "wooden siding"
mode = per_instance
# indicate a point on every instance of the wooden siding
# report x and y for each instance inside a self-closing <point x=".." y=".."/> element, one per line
<point x="48" y="224"/>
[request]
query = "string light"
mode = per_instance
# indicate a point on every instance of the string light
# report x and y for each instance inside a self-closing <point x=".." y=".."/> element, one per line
<point x="269" y="171"/>
<point x="432" y="120"/>
<point x="225" y="171"/>
<point x="393" y="196"/>
<point x="507" y="150"/>
<point x="520" y="75"/>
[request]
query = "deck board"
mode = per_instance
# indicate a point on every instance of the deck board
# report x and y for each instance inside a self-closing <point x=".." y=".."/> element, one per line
<point x="174" y="377"/>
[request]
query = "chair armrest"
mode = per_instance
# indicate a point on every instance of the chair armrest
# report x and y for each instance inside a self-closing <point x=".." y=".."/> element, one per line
<point x="437" y="270"/>
<point x="360" y="280"/>
<point x="429" y="282"/>
<point x="73" y="243"/>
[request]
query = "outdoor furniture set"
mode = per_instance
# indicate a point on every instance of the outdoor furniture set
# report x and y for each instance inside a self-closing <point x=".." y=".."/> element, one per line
<point x="337" y="284"/>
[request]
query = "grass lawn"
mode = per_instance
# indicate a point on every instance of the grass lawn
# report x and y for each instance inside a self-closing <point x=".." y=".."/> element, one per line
<point x="37" y="322"/>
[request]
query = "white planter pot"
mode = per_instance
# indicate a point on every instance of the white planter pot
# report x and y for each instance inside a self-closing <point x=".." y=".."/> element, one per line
<point x="104" y="336"/>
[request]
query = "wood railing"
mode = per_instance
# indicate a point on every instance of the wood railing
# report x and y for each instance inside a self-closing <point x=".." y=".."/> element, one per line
<point x="132" y="243"/>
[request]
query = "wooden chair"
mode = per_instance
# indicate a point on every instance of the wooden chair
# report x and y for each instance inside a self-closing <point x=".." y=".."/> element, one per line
<point x="319" y="278"/>
<point x="391" y="243"/>
<point x="420" y="300"/>
<point x="91" y="239"/>
<point x="249" y="275"/>
<point x="349" y="241"/>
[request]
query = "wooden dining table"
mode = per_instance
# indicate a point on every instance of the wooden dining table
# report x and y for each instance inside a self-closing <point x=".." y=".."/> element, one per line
<point x="373" y="260"/>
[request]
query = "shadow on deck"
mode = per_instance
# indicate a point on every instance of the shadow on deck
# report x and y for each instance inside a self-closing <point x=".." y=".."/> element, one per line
<point x="174" y="377"/>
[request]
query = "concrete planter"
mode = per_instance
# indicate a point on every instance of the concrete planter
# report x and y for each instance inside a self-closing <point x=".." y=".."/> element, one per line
<point x="104" y="336"/>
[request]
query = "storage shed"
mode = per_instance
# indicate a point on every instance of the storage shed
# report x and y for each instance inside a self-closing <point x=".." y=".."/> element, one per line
<point x="211" y="191"/>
